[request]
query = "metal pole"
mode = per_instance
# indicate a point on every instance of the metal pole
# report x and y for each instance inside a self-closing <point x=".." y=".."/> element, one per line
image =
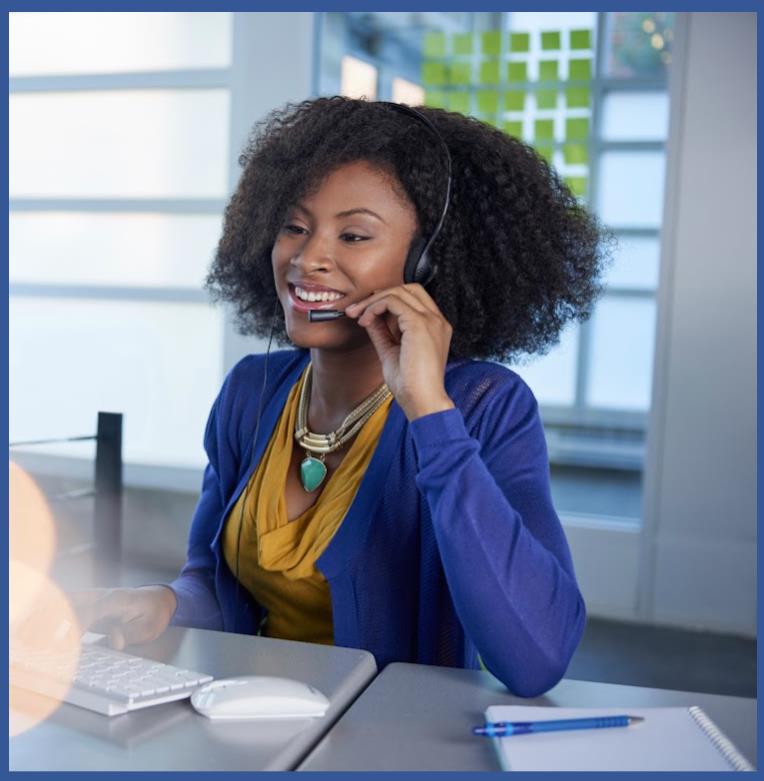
<point x="107" y="531"/>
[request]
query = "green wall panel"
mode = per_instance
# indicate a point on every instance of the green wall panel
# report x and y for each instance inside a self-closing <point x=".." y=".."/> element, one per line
<point x="434" y="44"/>
<point x="434" y="73"/>
<point x="550" y="41"/>
<point x="546" y="98"/>
<point x="487" y="101"/>
<point x="549" y="70"/>
<point x="580" y="70"/>
<point x="519" y="42"/>
<point x="513" y="128"/>
<point x="462" y="43"/>
<point x="490" y="42"/>
<point x="517" y="71"/>
<point x="489" y="72"/>
<point x="580" y="39"/>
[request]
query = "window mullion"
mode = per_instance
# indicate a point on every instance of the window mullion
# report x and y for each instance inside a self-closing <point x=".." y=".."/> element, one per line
<point x="585" y="336"/>
<point x="185" y="295"/>
<point x="213" y="78"/>
<point x="111" y="205"/>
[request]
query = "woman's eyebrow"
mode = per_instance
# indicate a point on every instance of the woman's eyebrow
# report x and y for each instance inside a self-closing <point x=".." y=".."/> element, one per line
<point x="346" y="213"/>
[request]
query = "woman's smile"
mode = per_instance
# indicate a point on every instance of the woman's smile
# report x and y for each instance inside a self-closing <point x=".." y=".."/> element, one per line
<point x="301" y="305"/>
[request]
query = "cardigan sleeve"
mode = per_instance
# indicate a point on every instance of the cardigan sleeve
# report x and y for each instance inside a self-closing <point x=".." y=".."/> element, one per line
<point x="504" y="553"/>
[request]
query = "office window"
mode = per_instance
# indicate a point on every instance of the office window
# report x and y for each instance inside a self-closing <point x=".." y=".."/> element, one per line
<point x="86" y="42"/>
<point x="119" y="171"/>
<point x="359" y="79"/>
<point x="156" y="143"/>
<point x="404" y="91"/>
<point x="155" y="361"/>
<point x="144" y="249"/>
<point x="589" y="91"/>
<point x="634" y="116"/>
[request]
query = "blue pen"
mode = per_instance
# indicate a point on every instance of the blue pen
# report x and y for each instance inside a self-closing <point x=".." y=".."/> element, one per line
<point x="503" y="729"/>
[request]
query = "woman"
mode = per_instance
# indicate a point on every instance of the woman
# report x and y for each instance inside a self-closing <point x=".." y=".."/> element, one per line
<point x="384" y="483"/>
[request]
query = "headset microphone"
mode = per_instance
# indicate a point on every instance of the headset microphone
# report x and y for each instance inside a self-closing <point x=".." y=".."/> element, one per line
<point x="419" y="267"/>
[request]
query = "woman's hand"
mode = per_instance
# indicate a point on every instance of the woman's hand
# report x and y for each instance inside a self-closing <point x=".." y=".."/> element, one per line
<point x="411" y="337"/>
<point x="126" y="615"/>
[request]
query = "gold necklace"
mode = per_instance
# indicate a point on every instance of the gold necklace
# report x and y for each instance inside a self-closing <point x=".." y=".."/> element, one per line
<point x="313" y="470"/>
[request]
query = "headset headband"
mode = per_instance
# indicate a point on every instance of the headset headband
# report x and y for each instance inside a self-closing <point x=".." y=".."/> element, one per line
<point x="401" y="107"/>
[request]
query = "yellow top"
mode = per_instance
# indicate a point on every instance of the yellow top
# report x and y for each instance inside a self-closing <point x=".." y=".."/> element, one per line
<point x="277" y="556"/>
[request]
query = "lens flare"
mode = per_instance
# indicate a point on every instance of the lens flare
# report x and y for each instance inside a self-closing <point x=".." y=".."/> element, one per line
<point x="33" y="534"/>
<point x="43" y="628"/>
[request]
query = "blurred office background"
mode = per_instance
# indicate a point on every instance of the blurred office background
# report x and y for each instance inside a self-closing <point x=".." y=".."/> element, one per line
<point x="125" y="130"/>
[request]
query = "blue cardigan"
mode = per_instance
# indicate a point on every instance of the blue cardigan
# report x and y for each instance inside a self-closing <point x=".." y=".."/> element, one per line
<point x="450" y="549"/>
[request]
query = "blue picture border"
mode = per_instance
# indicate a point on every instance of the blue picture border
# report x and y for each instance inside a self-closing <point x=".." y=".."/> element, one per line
<point x="387" y="5"/>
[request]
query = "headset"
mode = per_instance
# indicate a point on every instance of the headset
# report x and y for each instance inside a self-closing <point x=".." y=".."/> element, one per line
<point x="418" y="268"/>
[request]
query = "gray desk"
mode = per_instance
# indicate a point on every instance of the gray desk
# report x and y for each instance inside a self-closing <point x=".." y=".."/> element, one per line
<point x="174" y="737"/>
<point x="414" y="717"/>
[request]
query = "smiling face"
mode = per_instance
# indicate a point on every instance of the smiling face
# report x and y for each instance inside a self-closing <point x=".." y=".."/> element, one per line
<point x="351" y="236"/>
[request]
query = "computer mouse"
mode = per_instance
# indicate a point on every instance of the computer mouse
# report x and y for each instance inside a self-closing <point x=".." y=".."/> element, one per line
<point x="258" y="697"/>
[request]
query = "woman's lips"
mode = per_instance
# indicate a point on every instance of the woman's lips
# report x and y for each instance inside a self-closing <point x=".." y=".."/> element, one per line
<point x="306" y="306"/>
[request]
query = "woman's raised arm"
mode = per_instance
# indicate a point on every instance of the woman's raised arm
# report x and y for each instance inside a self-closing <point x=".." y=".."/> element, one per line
<point x="503" y="549"/>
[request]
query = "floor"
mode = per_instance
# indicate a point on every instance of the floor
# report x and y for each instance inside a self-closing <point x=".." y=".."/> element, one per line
<point x="665" y="658"/>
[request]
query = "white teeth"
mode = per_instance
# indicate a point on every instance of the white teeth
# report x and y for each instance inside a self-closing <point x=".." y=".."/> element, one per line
<point x="325" y="296"/>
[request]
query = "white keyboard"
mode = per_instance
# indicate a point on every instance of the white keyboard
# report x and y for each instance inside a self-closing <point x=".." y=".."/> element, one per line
<point x="107" y="681"/>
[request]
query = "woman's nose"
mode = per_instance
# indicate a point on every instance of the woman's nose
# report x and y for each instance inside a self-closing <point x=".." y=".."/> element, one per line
<point x="314" y="252"/>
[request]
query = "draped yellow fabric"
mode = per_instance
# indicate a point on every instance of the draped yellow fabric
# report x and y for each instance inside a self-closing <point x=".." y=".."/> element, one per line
<point x="277" y="556"/>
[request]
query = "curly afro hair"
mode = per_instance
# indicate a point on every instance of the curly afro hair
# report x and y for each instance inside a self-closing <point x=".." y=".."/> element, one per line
<point x="518" y="256"/>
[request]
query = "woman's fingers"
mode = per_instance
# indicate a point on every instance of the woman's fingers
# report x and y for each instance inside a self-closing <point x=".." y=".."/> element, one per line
<point x="126" y="615"/>
<point x="116" y="638"/>
<point x="422" y="297"/>
<point x="389" y="303"/>
<point x="401" y="293"/>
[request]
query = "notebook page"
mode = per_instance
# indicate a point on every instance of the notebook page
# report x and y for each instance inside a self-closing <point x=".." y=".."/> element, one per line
<point x="668" y="739"/>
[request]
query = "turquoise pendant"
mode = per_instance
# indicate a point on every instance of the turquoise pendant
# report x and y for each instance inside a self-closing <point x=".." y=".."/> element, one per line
<point x="312" y="473"/>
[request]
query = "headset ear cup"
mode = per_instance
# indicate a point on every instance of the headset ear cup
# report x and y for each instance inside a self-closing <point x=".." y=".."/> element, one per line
<point x="417" y="266"/>
<point x="425" y="270"/>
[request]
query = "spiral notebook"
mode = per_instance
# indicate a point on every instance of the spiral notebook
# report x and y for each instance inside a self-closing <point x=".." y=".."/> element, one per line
<point x="667" y="739"/>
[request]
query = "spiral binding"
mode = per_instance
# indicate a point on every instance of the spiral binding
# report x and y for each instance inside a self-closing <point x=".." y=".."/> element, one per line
<point x="720" y="740"/>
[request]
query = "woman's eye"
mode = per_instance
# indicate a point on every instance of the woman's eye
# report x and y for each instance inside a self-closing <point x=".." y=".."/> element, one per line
<point x="293" y="228"/>
<point x="348" y="238"/>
